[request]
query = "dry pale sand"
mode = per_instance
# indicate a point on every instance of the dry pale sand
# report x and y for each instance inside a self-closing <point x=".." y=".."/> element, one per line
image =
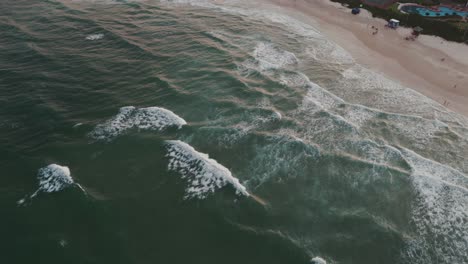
<point x="430" y="65"/>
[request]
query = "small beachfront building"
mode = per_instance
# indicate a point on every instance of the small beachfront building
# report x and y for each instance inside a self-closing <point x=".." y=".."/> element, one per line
<point x="393" y="23"/>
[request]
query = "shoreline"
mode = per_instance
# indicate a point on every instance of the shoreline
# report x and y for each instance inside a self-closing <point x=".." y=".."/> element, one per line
<point x="430" y="65"/>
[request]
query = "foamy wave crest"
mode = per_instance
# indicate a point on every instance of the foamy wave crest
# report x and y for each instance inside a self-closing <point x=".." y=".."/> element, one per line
<point x="150" y="118"/>
<point x="95" y="36"/>
<point x="440" y="212"/>
<point x="52" y="178"/>
<point x="422" y="134"/>
<point x="281" y="158"/>
<point x="272" y="57"/>
<point x="203" y="174"/>
<point x="268" y="57"/>
<point x="237" y="127"/>
<point x="257" y="122"/>
<point x="327" y="114"/>
<point x="318" y="260"/>
<point x="298" y="80"/>
<point x="317" y="98"/>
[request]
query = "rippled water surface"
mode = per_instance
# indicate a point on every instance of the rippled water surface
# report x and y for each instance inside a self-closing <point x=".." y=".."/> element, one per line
<point x="215" y="132"/>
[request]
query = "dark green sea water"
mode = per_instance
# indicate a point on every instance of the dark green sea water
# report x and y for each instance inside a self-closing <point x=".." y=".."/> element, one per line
<point x="310" y="154"/>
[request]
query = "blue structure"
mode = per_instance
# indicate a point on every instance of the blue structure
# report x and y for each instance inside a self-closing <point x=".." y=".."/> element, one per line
<point x="356" y="10"/>
<point x="431" y="12"/>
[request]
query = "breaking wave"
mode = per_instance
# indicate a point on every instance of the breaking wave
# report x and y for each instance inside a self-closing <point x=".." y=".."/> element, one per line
<point x="95" y="36"/>
<point x="308" y="120"/>
<point x="379" y="127"/>
<point x="52" y="178"/>
<point x="270" y="57"/>
<point x="440" y="212"/>
<point x="318" y="260"/>
<point x="149" y="118"/>
<point x="267" y="57"/>
<point x="203" y="174"/>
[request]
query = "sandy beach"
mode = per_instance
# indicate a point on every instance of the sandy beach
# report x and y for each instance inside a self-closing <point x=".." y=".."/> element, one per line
<point x="430" y="65"/>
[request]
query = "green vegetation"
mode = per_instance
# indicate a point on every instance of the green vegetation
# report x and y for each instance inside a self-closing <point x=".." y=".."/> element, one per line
<point x="450" y="28"/>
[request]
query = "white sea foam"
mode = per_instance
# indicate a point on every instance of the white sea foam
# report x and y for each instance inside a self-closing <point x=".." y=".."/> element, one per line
<point x="440" y="212"/>
<point x="95" y="36"/>
<point x="297" y="80"/>
<point x="272" y="57"/>
<point x="421" y="131"/>
<point x="353" y="113"/>
<point x="52" y="178"/>
<point x="326" y="51"/>
<point x="63" y="243"/>
<point x="318" y="260"/>
<point x="283" y="157"/>
<point x="338" y="125"/>
<point x="322" y="97"/>
<point x="321" y="121"/>
<point x="359" y="115"/>
<point x="203" y="174"/>
<point x="327" y="115"/>
<point x="150" y="118"/>
<point x="363" y="86"/>
<point x="338" y="119"/>
<point x="256" y="122"/>
<point x="368" y="95"/>
<point x="237" y="127"/>
<point x="266" y="58"/>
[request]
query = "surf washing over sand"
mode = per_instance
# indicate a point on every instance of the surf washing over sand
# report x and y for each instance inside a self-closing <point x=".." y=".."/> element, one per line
<point x="347" y="116"/>
<point x="353" y="166"/>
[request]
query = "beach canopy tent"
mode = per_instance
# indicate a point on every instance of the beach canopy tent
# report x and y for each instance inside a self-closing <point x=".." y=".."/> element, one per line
<point x="393" y="23"/>
<point x="417" y="31"/>
<point x="356" y="10"/>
